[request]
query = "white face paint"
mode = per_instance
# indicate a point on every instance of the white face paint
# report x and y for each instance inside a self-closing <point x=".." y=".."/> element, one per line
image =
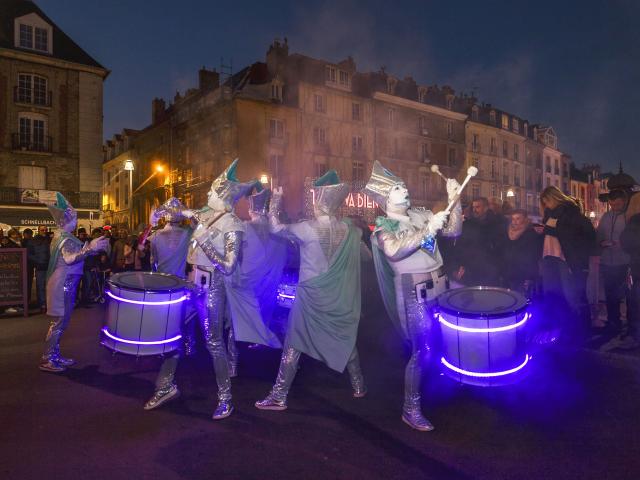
<point x="215" y="202"/>
<point x="398" y="200"/>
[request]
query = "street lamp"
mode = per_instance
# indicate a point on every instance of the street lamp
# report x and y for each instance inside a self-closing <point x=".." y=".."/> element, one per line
<point x="264" y="179"/>
<point x="510" y="193"/>
<point x="592" y="214"/>
<point x="128" y="166"/>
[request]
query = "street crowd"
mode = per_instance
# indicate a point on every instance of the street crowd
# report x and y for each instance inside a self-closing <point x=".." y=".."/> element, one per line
<point x="550" y="262"/>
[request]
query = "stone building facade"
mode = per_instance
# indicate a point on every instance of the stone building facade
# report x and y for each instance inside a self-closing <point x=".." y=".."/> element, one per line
<point x="50" y="118"/>
<point x="292" y="117"/>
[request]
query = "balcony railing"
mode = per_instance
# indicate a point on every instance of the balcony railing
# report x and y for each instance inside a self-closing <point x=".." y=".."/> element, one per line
<point x="30" y="98"/>
<point x="25" y="196"/>
<point x="31" y="144"/>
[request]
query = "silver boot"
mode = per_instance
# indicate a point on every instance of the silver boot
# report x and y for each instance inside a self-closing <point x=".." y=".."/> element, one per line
<point x="223" y="410"/>
<point x="161" y="396"/>
<point x="355" y="375"/>
<point x="412" y="415"/>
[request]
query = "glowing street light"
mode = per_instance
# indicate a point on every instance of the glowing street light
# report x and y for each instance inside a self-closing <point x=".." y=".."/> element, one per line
<point x="128" y="165"/>
<point x="264" y="179"/>
<point x="159" y="168"/>
<point x="510" y="193"/>
<point x="592" y="214"/>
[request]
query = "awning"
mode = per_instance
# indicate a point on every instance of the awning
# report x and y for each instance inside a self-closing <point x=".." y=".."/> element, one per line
<point x="32" y="217"/>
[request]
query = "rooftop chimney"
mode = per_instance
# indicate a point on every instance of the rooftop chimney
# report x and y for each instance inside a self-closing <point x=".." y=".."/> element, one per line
<point x="158" y="108"/>
<point x="208" y="79"/>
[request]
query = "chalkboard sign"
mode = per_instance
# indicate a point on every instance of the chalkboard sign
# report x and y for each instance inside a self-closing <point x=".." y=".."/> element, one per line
<point x="13" y="277"/>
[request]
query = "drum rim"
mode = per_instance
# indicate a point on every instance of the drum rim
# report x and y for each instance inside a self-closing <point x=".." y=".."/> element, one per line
<point x="182" y="288"/>
<point x="468" y="315"/>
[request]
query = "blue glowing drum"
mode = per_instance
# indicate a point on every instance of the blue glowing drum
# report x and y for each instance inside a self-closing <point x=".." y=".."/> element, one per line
<point x="483" y="335"/>
<point x="145" y="313"/>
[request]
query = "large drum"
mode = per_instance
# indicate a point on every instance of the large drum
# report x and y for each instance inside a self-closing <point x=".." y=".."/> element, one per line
<point x="145" y="313"/>
<point x="483" y="335"/>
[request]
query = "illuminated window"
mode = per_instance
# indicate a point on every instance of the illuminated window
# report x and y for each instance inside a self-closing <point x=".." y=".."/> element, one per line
<point x="505" y="122"/>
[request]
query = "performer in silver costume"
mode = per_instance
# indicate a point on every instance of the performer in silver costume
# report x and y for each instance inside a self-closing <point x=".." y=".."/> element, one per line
<point x="323" y="322"/>
<point x="169" y="255"/>
<point x="252" y="289"/>
<point x="64" y="272"/>
<point x="170" y="244"/>
<point x="409" y="270"/>
<point x="219" y="237"/>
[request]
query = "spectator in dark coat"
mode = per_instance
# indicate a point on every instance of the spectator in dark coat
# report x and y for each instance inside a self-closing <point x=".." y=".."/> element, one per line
<point x="569" y="241"/>
<point x="521" y="254"/>
<point x="630" y="241"/>
<point x="38" y="254"/>
<point x="476" y="257"/>
<point x="27" y="236"/>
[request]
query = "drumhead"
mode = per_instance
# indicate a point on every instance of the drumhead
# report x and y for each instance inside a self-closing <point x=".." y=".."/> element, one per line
<point x="482" y="302"/>
<point x="147" y="282"/>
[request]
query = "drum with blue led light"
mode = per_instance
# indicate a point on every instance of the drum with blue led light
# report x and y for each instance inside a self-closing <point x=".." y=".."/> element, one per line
<point x="483" y="335"/>
<point x="145" y="313"/>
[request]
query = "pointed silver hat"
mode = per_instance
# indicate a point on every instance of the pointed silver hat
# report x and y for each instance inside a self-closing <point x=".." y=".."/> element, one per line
<point x="259" y="201"/>
<point x="380" y="184"/>
<point x="172" y="210"/>
<point x="329" y="193"/>
<point x="63" y="213"/>
<point x="228" y="188"/>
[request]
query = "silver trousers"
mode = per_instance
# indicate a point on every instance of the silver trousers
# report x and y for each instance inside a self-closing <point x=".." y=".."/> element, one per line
<point x="420" y="329"/>
<point x="210" y="305"/>
<point x="57" y="325"/>
<point x="289" y="367"/>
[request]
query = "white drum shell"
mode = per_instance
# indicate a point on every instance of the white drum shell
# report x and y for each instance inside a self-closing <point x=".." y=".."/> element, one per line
<point x="144" y="323"/>
<point x="483" y="352"/>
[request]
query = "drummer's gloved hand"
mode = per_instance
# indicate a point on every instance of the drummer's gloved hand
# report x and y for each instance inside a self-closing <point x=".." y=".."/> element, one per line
<point x="436" y="223"/>
<point x="98" y="244"/>
<point x="452" y="188"/>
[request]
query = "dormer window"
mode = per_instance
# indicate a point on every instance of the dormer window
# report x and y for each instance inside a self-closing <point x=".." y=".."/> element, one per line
<point x="526" y="129"/>
<point x="345" y="81"/>
<point x="33" y="33"/>
<point x="422" y="95"/>
<point x="515" y="125"/>
<point x="330" y="74"/>
<point x="449" y="102"/>
<point x="492" y="117"/>
<point x="391" y="85"/>
<point x="505" y="121"/>
<point x="276" y="90"/>
<point x="474" y="113"/>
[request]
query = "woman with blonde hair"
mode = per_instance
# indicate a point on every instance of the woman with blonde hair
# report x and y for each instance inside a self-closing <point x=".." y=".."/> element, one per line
<point x="630" y="241"/>
<point x="569" y="241"/>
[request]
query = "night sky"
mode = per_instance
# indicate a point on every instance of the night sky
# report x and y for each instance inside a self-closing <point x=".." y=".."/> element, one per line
<point x="573" y="65"/>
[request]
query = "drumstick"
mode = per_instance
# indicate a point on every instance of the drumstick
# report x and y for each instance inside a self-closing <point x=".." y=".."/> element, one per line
<point x="471" y="172"/>
<point x="436" y="169"/>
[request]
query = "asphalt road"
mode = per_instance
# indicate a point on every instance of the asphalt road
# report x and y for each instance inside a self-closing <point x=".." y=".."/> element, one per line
<point x="575" y="416"/>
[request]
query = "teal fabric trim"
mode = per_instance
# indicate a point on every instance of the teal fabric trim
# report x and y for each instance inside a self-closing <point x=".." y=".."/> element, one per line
<point x="387" y="224"/>
<point x="385" y="276"/>
<point x="329" y="178"/>
<point x="56" y="249"/>
<point x="324" y="319"/>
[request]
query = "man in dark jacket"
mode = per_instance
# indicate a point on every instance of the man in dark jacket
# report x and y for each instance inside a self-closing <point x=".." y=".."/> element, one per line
<point x="630" y="241"/>
<point x="38" y="256"/>
<point x="477" y="252"/>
